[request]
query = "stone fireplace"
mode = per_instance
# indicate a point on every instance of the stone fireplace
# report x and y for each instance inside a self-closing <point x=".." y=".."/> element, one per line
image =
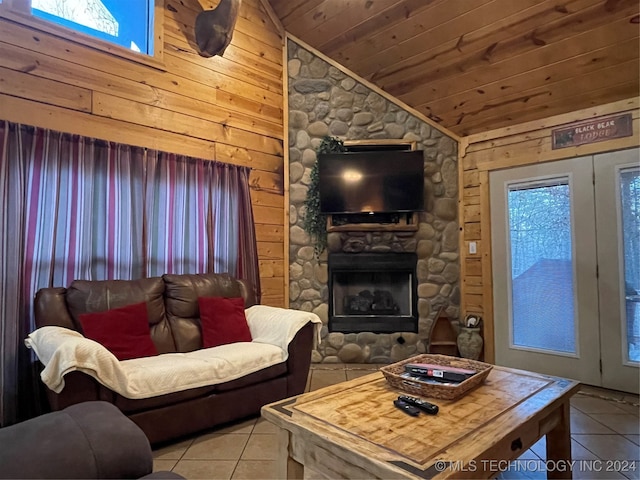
<point x="325" y="100"/>
<point x="373" y="292"/>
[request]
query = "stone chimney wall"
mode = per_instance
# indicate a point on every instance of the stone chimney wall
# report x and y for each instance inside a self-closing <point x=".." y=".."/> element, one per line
<point x="324" y="100"/>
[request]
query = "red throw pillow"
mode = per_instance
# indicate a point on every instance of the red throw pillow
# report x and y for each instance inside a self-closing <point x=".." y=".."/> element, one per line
<point x="123" y="331"/>
<point x="223" y="321"/>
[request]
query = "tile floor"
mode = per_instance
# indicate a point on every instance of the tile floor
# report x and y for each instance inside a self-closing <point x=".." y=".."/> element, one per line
<point x="604" y="426"/>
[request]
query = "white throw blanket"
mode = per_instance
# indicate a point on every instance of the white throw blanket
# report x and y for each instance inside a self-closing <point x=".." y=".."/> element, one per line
<point x="62" y="351"/>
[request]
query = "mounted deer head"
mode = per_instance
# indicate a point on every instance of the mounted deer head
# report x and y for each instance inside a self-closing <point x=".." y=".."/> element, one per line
<point x="214" y="28"/>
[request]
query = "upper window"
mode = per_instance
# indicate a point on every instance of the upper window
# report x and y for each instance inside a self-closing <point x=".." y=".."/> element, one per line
<point x="128" y="23"/>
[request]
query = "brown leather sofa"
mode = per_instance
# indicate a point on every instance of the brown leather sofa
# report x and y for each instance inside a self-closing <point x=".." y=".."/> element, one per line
<point x="172" y="304"/>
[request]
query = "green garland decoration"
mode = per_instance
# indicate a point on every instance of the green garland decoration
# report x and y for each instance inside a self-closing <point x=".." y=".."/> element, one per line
<point x="315" y="223"/>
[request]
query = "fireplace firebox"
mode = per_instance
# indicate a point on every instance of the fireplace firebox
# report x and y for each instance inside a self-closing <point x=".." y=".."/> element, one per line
<point x="373" y="292"/>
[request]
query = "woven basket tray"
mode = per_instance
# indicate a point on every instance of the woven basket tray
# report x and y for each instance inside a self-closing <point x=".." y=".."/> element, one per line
<point x="447" y="392"/>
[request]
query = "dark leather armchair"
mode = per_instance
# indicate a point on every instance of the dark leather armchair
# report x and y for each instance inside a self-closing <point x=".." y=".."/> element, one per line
<point x="86" y="440"/>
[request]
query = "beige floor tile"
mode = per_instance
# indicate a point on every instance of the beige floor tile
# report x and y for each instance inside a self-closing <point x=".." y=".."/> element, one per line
<point x="264" y="426"/>
<point x="372" y="367"/>
<point x="634" y="438"/>
<point x="629" y="407"/>
<point x="163" y="465"/>
<point x="261" y="447"/>
<point x="601" y="392"/>
<point x="583" y="423"/>
<point x="529" y="455"/>
<point x="620" y="423"/>
<point x="172" y="452"/>
<point x="523" y="469"/>
<point x="245" y="426"/>
<point x="351" y="374"/>
<point x="609" y="447"/>
<point x="540" y="448"/>
<point x="255" y="470"/>
<point x="594" y="405"/>
<point x="584" y="457"/>
<point x="216" y="446"/>
<point x="205" y="469"/>
<point x="632" y="398"/>
<point x="633" y="473"/>
<point x="595" y="471"/>
<point x="327" y="366"/>
<point x="324" y="378"/>
<point x="578" y="452"/>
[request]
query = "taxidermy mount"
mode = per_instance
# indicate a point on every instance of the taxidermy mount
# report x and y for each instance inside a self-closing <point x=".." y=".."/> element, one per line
<point x="214" y="28"/>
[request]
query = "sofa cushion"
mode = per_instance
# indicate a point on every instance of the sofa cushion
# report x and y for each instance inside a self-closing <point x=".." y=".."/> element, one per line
<point x="181" y="301"/>
<point x="223" y="321"/>
<point x="129" y="406"/>
<point x="123" y="331"/>
<point x="88" y="296"/>
<point x="254" y="378"/>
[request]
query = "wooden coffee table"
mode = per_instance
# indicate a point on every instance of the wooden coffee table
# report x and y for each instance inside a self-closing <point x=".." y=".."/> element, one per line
<point x="352" y="429"/>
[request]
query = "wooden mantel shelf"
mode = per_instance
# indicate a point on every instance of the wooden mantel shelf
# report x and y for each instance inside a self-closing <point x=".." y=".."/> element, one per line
<point x="406" y="223"/>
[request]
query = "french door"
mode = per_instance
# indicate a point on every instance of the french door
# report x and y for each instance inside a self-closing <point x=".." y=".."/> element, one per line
<point x="566" y="268"/>
<point x="617" y="194"/>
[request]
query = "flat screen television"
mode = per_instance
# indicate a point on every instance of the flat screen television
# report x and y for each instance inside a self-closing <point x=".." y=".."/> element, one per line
<point x="371" y="182"/>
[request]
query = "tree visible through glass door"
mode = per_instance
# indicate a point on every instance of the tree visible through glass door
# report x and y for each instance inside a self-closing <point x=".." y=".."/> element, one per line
<point x="545" y="270"/>
<point x="542" y="283"/>
<point x="629" y="184"/>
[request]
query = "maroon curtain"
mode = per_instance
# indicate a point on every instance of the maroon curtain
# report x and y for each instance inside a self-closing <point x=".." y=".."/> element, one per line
<point x="80" y="208"/>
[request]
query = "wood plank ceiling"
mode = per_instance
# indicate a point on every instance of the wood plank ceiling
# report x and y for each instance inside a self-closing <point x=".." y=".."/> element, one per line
<point x="477" y="65"/>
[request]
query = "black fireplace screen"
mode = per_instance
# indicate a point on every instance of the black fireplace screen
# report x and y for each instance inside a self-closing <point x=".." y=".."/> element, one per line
<point x="372" y="292"/>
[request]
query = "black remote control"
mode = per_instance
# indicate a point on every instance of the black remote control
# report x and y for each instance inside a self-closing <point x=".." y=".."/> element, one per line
<point x="406" y="408"/>
<point x="426" y="407"/>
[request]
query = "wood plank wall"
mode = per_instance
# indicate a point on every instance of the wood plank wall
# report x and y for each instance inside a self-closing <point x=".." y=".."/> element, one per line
<point x="227" y="108"/>
<point x="522" y="144"/>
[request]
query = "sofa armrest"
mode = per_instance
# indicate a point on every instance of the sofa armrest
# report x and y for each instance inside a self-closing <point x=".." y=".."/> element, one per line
<point x="78" y="387"/>
<point x="88" y="440"/>
<point x="278" y="326"/>
<point x="62" y="351"/>
<point x="299" y="360"/>
<point x="50" y="308"/>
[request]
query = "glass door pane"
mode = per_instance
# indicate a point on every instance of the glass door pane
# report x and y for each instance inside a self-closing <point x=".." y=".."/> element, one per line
<point x="545" y="287"/>
<point x="542" y="284"/>
<point x="629" y="185"/>
<point x="617" y="199"/>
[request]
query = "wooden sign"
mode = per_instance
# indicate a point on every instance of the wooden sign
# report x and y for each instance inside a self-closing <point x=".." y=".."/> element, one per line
<point x="591" y="131"/>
